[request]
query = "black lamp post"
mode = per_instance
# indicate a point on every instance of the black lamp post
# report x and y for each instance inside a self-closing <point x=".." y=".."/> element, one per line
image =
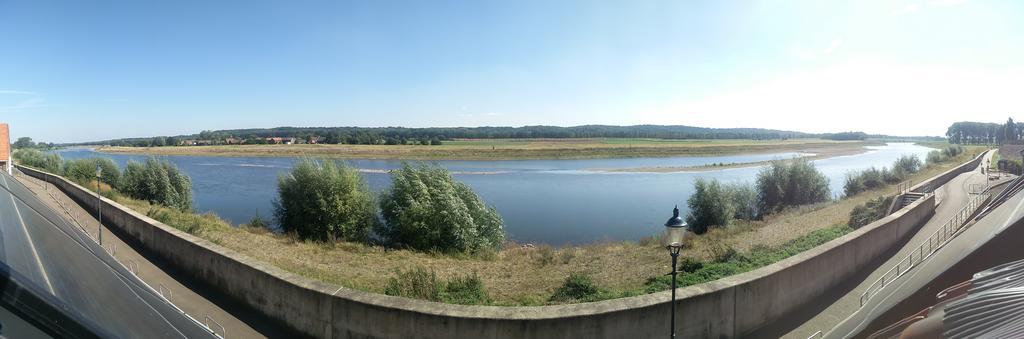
<point x="676" y="233"/>
<point x="99" y="206"/>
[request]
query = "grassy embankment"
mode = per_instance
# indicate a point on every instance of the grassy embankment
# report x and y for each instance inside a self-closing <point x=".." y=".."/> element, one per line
<point x="529" y="276"/>
<point x="502" y="149"/>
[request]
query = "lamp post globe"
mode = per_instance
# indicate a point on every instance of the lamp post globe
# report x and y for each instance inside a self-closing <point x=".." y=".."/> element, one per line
<point x="676" y="232"/>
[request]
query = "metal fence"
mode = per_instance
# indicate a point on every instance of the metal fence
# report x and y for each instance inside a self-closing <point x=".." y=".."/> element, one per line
<point x="934" y="242"/>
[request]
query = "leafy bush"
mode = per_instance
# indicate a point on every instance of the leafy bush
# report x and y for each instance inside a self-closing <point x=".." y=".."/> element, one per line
<point x="907" y="164"/>
<point x="710" y="206"/>
<point x="258" y="222"/>
<point x="467" y="290"/>
<point x="577" y="287"/>
<point x="870" y="211"/>
<point x="426" y="209"/>
<point x="790" y="183"/>
<point x="873" y="178"/>
<point x="943" y="155"/>
<point x="50" y="162"/>
<point x="415" y="283"/>
<point x="419" y="283"/>
<point x="744" y="201"/>
<point x="952" y="150"/>
<point x="325" y="201"/>
<point x="1011" y="166"/>
<point x="83" y="171"/>
<point x="157" y="181"/>
<point x="935" y="157"/>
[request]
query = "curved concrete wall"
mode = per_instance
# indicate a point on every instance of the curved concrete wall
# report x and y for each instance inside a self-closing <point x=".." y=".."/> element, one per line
<point x="730" y="307"/>
<point x="930" y="185"/>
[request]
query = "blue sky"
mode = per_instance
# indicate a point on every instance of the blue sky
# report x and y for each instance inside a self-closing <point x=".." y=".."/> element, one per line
<point x="88" y="70"/>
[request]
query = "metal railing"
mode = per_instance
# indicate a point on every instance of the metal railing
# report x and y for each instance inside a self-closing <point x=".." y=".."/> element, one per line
<point x="223" y="331"/>
<point x="903" y="187"/>
<point x="927" y="248"/>
<point x="164" y="291"/>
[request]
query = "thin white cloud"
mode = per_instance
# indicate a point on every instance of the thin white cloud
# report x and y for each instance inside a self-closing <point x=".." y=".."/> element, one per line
<point x="11" y="91"/>
<point x="15" y="100"/>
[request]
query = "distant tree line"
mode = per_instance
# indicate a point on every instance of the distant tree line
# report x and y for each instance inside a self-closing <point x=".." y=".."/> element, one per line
<point x="968" y="132"/>
<point x="435" y="135"/>
<point x="26" y="142"/>
<point x="845" y="136"/>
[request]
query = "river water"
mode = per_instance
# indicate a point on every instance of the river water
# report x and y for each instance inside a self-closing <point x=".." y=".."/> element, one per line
<point x="555" y="202"/>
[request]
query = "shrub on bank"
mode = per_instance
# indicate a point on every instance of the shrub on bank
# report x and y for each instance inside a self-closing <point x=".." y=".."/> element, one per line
<point x="790" y="183"/>
<point x="427" y="209"/>
<point x="157" y="181"/>
<point x="50" y="162"/>
<point x="873" y="178"/>
<point x="710" y="206"/>
<point x="870" y="211"/>
<point x="419" y="283"/>
<point x="83" y="171"/>
<point x="744" y="201"/>
<point x="577" y="287"/>
<point x="325" y="201"/>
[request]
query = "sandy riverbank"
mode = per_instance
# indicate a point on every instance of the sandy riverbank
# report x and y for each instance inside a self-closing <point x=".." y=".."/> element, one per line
<point x="515" y="149"/>
<point x="813" y="153"/>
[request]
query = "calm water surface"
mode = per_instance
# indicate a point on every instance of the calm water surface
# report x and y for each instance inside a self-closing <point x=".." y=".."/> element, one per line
<point x="542" y="201"/>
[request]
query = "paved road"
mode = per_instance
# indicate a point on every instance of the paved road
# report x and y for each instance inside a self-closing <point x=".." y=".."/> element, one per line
<point x="50" y="252"/>
<point x="951" y="197"/>
<point x="957" y="249"/>
<point x="970" y="240"/>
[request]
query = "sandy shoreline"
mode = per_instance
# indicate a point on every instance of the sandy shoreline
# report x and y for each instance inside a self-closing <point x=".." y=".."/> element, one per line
<point x="817" y="153"/>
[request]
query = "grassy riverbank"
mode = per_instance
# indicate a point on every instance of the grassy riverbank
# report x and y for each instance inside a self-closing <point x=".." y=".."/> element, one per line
<point x="509" y="149"/>
<point x="523" y="275"/>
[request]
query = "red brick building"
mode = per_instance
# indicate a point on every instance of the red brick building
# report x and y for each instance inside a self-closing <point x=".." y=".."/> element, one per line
<point x="5" y="148"/>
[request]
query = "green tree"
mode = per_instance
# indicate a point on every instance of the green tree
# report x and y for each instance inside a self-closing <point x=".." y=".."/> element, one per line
<point x="744" y="201"/>
<point x="49" y="162"/>
<point x="83" y="171"/>
<point x="24" y="142"/>
<point x="426" y="209"/>
<point x="790" y="183"/>
<point x="1009" y="135"/>
<point x="157" y="181"/>
<point x="325" y="201"/>
<point x="710" y="206"/>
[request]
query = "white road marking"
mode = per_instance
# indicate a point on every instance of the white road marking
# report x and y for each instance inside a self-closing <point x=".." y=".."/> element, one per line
<point x="31" y="244"/>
